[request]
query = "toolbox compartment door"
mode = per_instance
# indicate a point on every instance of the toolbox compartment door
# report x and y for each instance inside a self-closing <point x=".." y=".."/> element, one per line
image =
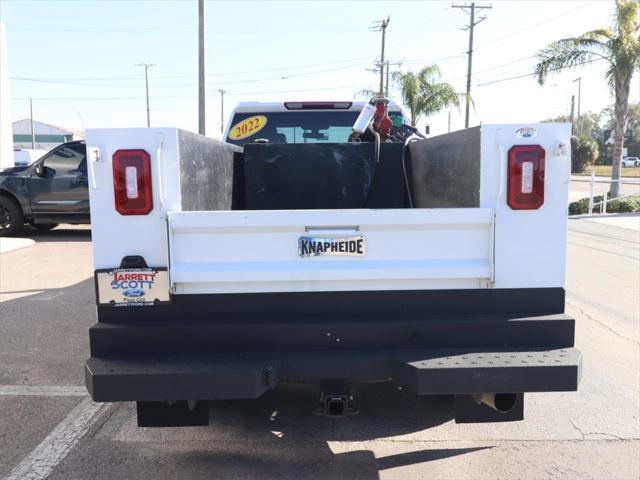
<point x="399" y="249"/>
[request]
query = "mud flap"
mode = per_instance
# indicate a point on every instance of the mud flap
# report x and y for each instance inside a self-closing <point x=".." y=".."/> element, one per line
<point x="173" y="414"/>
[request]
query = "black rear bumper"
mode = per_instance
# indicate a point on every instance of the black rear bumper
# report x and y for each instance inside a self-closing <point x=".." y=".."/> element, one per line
<point x="157" y="356"/>
<point x="248" y="376"/>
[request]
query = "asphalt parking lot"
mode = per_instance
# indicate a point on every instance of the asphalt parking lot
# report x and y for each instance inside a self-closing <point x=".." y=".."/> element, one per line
<point x="51" y="429"/>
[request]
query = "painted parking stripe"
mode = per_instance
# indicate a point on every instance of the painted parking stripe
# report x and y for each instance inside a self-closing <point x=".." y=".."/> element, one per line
<point x="39" y="464"/>
<point x="42" y="391"/>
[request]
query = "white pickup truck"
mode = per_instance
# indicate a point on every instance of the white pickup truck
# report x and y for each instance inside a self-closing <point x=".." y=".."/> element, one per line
<point x="290" y="254"/>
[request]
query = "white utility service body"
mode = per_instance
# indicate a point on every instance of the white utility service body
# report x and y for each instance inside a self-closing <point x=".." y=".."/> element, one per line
<point x="239" y="269"/>
<point x="240" y="251"/>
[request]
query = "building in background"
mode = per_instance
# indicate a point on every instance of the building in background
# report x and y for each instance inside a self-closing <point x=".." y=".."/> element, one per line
<point x="47" y="136"/>
<point x="6" y="154"/>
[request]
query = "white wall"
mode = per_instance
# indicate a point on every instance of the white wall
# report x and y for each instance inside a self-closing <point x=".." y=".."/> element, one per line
<point x="6" y="139"/>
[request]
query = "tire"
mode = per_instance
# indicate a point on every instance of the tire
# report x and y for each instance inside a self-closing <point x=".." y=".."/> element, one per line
<point x="44" y="227"/>
<point x="11" y="217"/>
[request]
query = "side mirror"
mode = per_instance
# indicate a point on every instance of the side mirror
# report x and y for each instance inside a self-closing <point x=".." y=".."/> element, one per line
<point x="44" y="171"/>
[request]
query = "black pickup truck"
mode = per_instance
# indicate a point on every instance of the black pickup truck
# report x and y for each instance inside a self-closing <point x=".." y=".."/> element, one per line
<point x="51" y="190"/>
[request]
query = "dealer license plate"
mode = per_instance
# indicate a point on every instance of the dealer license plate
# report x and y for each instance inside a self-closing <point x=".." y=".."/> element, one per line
<point x="131" y="287"/>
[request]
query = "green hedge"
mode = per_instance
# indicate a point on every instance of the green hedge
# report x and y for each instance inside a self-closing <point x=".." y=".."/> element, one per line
<point x="627" y="204"/>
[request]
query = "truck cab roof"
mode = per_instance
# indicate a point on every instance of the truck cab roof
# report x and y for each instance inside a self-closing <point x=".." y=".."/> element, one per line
<point x="303" y="105"/>
<point x="297" y="121"/>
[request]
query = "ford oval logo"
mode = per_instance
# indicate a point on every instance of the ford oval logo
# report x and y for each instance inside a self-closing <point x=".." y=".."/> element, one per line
<point x="526" y="132"/>
<point x="133" y="293"/>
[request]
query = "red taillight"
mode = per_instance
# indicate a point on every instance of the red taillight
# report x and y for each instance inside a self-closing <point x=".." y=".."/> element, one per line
<point x="525" y="190"/>
<point x="132" y="182"/>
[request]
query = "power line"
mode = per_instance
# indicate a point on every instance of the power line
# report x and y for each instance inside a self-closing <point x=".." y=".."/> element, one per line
<point x="586" y="62"/>
<point x="69" y="80"/>
<point x="489" y="71"/>
<point x="135" y="30"/>
<point x="261" y="92"/>
<point x="291" y="67"/>
<point x="177" y="85"/>
<point x="535" y="25"/>
<point x="495" y="67"/>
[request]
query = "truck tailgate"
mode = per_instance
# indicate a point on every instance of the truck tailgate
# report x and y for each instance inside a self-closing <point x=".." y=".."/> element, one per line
<point x="254" y="251"/>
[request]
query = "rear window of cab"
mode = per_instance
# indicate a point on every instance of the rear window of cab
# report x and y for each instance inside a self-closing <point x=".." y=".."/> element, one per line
<point x="295" y="126"/>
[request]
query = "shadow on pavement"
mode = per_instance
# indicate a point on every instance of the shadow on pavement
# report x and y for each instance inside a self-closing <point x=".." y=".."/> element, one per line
<point x="62" y="233"/>
<point x="283" y="439"/>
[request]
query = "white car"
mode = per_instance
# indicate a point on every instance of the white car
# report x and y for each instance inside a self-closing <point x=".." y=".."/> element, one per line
<point x="631" y="162"/>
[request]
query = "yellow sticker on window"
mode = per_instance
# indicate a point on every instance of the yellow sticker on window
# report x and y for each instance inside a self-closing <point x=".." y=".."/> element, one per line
<point x="247" y="127"/>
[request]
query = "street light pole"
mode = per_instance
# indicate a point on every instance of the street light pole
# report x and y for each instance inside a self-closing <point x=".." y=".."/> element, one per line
<point x="81" y="120"/>
<point x="33" y="132"/>
<point x="201" y="70"/>
<point x="146" y="84"/>
<point x="222" y="92"/>
<point x="578" y="129"/>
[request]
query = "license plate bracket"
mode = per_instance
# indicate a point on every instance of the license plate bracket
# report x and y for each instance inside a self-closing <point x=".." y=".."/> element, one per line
<point x="132" y="287"/>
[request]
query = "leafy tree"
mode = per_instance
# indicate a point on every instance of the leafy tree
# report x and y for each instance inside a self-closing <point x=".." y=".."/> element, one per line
<point x="589" y="125"/>
<point x="423" y="93"/>
<point x="584" y="152"/>
<point x="633" y="124"/>
<point x="619" y="46"/>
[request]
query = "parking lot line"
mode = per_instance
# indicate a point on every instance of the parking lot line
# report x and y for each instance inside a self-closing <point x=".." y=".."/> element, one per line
<point x="55" y="447"/>
<point x="42" y="391"/>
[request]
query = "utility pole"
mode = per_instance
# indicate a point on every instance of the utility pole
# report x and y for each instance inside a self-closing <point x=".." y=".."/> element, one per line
<point x="449" y="123"/>
<point x="222" y="92"/>
<point x="201" y="71"/>
<point x="386" y="85"/>
<point x="471" y="10"/>
<point x="388" y="65"/>
<point x="381" y="26"/>
<point x="571" y="118"/>
<point x="33" y="132"/>
<point x="579" y="80"/>
<point x="146" y="83"/>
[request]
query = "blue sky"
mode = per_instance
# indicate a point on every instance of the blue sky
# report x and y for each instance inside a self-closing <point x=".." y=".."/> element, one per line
<point x="77" y="58"/>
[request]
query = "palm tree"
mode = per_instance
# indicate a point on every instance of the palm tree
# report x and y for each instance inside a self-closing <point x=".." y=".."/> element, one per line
<point x="423" y="94"/>
<point x="619" y="46"/>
